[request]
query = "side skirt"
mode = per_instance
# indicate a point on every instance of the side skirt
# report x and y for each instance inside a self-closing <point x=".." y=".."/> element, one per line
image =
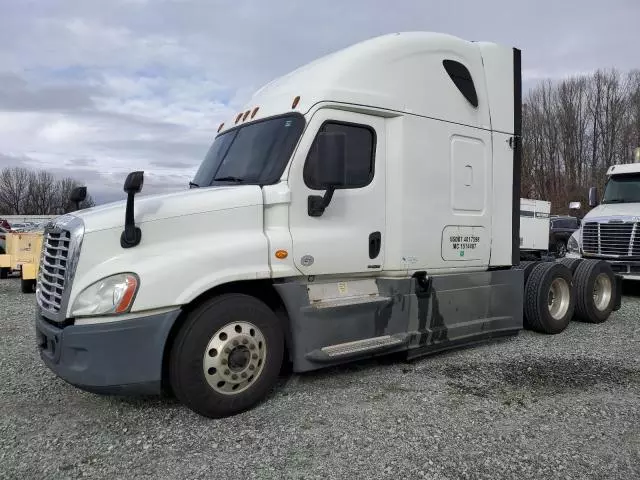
<point x="329" y="326"/>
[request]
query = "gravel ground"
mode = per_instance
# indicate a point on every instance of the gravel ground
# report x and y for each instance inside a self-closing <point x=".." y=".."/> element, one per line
<point x="532" y="406"/>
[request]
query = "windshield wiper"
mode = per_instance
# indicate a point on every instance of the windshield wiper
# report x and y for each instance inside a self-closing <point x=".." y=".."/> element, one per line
<point x="614" y="200"/>
<point x="229" y="179"/>
<point x="191" y="184"/>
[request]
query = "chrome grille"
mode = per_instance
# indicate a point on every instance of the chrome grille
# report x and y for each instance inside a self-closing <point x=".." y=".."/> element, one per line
<point x="61" y="247"/>
<point x="53" y="269"/>
<point x="611" y="239"/>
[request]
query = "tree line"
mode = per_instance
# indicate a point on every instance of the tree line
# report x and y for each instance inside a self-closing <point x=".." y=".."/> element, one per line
<point x="573" y="130"/>
<point x="36" y="192"/>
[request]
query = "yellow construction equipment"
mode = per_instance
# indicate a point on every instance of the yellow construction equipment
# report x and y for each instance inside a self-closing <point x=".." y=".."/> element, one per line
<point x="23" y="254"/>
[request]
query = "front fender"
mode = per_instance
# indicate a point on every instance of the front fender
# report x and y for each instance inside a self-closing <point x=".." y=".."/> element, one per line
<point x="181" y="257"/>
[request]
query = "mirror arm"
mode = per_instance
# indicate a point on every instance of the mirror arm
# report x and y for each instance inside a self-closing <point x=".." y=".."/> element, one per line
<point x="316" y="204"/>
<point x="131" y="235"/>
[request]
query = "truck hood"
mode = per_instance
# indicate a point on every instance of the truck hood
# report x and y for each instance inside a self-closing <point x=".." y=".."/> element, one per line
<point x="178" y="204"/>
<point x="610" y="210"/>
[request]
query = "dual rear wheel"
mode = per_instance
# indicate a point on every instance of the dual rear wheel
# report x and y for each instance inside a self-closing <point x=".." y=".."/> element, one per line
<point x="557" y="292"/>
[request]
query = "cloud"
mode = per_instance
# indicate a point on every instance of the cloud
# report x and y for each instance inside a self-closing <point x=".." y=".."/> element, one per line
<point x="97" y="89"/>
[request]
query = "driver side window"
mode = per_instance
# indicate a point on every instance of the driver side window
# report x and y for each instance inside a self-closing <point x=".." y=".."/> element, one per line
<point x="360" y="141"/>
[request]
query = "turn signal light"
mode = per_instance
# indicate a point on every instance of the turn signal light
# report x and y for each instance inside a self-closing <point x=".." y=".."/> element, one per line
<point x="255" y="110"/>
<point x="295" y="102"/>
<point x="238" y="117"/>
<point x="246" y="114"/>
<point x="220" y="127"/>
<point x="282" y="254"/>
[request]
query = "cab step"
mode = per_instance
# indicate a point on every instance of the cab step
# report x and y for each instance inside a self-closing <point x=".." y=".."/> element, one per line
<point x="358" y="348"/>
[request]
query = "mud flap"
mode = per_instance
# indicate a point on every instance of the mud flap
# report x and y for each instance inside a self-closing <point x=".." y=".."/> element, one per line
<point x="618" y="300"/>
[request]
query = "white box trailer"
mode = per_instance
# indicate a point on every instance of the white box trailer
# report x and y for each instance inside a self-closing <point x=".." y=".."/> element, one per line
<point x="534" y="228"/>
<point x="365" y="204"/>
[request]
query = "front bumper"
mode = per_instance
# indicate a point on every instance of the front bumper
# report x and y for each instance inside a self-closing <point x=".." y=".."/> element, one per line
<point x="121" y="357"/>
<point x="627" y="269"/>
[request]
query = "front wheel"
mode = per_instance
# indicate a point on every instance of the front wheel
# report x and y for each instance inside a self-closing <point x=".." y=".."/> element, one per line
<point x="27" y="286"/>
<point x="227" y="355"/>
<point x="561" y="249"/>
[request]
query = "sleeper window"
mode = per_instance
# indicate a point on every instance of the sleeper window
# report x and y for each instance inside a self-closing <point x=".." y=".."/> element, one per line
<point x="359" y="156"/>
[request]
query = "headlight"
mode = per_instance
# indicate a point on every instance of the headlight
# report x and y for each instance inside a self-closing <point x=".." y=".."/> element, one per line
<point x="573" y="245"/>
<point x="111" y="295"/>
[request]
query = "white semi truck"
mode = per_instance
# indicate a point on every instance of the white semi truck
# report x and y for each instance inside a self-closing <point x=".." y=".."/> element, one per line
<point x="365" y="204"/>
<point x="611" y="229"/>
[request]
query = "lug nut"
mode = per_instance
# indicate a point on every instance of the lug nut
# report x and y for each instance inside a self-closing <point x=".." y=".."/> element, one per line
<point x="227" y="350"/>
<point x="252" y="367"/>
<point x="252" y="347"/>
<point x="254" y="356"/>
<point x="236" y="343"/>
<point x="223" y="361"/>
<point x="243" y="374"/>
<point x="245" y="341"/>
<point x="234" y="377"/>
<point x="227" y="372"/>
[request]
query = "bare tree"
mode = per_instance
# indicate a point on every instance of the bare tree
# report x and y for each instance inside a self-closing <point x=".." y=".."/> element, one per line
<point x="27" y="192"/>
<point x="14" y="184"/>
<point x="574" y="130"/>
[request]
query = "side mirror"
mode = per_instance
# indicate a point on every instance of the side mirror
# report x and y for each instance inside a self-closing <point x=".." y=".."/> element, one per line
<point x="593" y="197"/>
<point x="328" y="166"/>
<point x="134" y="182"/>
<point x="575" y="206"/>
<point x="131" y="235"/>
<point x="78" y="194"/>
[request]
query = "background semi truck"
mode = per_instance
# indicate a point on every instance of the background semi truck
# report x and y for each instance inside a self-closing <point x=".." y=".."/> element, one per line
<point x="365" y="204"/>
<point x="611" y="229"/>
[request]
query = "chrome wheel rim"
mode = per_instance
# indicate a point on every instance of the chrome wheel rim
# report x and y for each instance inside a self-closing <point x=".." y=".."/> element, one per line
<point x="234" y="358"/>
<point x="559" y="298"/>
<point x="602" y="291"/>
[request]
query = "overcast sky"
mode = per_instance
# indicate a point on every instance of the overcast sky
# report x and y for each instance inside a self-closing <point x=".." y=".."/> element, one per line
<point x="95" y="89"/>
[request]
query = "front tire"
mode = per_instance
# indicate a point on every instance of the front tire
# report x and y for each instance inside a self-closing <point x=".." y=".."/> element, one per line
<point x="227" y="355"/>
<point x="561" y="249"/>
<point x="27" y="286"/>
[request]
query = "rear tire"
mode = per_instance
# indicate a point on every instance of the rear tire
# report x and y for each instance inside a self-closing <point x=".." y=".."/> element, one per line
<point x="571" y="263"/>
<point x="227" y="356"/>
<point x="548" y="298"/>
<point x="528" y="266"/>
<point x="595" y="286"/>
<point x="27" y="286"/>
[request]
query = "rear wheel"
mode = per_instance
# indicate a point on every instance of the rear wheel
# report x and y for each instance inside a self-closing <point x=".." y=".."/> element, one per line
<point x="528" y="267"/>
<point x="571" y="263"/>
<point x="595" y="291"/>
<point x="548" y="298"/>
<point x="227" y="355"/>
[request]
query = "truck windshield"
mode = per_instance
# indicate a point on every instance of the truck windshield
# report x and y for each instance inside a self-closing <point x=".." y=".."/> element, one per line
<point x="256" y="153"/>
<point x="622" y="189"/>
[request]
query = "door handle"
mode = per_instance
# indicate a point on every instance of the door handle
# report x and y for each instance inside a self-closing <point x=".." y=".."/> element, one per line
<point x="375" y="241"/>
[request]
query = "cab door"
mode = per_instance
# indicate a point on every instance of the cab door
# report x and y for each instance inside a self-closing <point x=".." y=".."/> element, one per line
<point x="348" y="237"/>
